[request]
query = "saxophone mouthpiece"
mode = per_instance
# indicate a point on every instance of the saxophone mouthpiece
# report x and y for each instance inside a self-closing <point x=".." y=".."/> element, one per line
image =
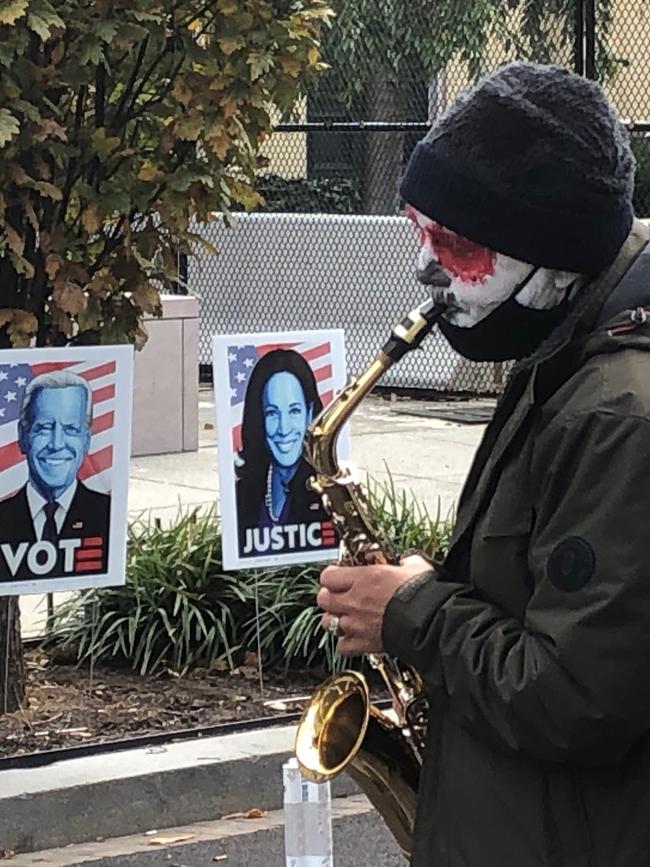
<point x="411" y="331"/>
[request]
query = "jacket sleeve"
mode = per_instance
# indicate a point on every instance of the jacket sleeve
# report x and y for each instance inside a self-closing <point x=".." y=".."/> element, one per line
<point x="571" y="681"/>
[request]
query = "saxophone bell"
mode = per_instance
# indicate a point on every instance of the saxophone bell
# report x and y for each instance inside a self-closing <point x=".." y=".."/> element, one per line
<point x="340" y="730"/>
<point x="333" y="726"/>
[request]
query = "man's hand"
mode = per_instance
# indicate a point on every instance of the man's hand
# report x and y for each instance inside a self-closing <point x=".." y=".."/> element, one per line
<point x="358" y="596"/>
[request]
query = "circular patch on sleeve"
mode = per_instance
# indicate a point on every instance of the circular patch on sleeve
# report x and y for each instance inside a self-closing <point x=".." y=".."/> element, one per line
<point x="571" y="564"/>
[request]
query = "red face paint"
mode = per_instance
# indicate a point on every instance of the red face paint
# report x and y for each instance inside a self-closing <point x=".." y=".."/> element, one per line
<point x="459" y="256"/>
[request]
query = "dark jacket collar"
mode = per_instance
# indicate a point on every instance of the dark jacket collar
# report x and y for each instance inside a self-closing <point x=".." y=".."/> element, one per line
<point x="633" y="291"/>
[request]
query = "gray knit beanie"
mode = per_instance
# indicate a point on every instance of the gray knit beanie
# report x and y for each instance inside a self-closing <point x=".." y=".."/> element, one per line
<point x="531" y="162"/>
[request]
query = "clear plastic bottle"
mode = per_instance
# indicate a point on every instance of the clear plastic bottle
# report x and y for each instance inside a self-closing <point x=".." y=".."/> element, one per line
<point x="307" y="820"/>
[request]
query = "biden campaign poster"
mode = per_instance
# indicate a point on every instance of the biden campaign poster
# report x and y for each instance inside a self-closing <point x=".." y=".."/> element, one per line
<point x="65" y="431"/>
<point x="268" y="389"/>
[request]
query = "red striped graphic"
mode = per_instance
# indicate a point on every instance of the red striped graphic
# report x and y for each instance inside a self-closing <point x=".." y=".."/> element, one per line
<point x="105" y="393"/>
<point x="96" y="463"/>
<point x="106" y="369"/>
<point x="316" y="352"/>
<point x="88" y="566"/>
<point x="88" y="553"/>
<point x="10" y="454"/>
<point x="323" y="373"/>
<point x="101" y="370"/>
<point x="92" y="542"/>
<point x="265" y="348"/>
<point x="103" y="422"/>
<point x="51" y="366"/>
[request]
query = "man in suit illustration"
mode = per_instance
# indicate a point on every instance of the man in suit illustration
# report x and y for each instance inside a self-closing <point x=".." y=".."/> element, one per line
<point x="54" y="525"/>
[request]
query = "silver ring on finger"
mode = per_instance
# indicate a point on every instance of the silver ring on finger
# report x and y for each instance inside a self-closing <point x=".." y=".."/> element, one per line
<point x="334" y="625"/>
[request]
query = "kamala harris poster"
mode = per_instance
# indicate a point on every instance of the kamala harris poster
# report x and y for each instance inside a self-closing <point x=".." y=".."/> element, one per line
<point x="268" y="389"/>
<point x="65" y="432"/>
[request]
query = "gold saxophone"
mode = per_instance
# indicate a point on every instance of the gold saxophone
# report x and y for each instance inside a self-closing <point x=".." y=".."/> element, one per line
<point x="340" y="730"/>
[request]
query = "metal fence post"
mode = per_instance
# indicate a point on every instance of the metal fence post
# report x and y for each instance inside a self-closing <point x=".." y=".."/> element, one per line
<point x="590" y="39"/>
<point x="578" y="37"/>
<point x="584" y="39"/>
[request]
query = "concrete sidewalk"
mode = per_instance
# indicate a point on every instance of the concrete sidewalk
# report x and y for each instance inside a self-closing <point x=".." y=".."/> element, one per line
<point x="426" y="456"/>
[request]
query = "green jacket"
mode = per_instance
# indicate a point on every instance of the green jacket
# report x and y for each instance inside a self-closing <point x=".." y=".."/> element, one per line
<point x="533" y="636"/>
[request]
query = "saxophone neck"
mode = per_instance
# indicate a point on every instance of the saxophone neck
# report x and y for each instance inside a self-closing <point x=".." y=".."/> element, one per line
<point x="322" y="435"/>
<point x="320" y="441"/>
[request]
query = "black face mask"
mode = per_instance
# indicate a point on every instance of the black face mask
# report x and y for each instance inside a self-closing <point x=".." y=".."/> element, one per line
<point x="510" y="332"/>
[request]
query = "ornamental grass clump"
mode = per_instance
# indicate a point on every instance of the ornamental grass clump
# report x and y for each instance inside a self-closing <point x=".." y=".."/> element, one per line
<point x="179" y="610"/>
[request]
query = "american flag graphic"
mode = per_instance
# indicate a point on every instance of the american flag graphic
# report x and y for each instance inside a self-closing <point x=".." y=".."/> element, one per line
<point x="97" y="465"/>
<point x="242" y="360"/>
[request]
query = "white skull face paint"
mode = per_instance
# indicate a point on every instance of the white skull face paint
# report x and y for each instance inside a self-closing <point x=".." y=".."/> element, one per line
<point x="474" y="280"/>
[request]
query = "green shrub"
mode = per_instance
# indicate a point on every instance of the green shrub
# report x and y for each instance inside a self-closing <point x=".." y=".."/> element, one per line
<point x="308" y="195"/>
<point x="179" y="610"/>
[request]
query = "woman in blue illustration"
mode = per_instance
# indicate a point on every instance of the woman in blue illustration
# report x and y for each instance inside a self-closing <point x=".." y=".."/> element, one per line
<point x="272" y="477"/>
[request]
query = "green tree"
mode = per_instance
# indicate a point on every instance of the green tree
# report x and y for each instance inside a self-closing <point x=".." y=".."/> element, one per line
<point x="383" y="52"/>
<point x="120" y="122"/>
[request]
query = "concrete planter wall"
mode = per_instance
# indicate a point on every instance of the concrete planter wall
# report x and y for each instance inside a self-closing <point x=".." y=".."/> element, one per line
<point x="165" y="393"/>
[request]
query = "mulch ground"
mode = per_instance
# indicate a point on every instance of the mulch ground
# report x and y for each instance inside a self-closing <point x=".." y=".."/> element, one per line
<point x="67" y="707"/>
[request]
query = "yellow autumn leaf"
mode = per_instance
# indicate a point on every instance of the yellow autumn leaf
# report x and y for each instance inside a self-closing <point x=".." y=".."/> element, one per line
<point x="53" y="265"/>
<point x="30" y="213"/>
<point x="69" y="297"/>
<point x="48" y="128"/>
<point x="50" y="191"/>
<point x="58" y="52"/>
<point x="53" y="128"/>
<point x="182" y="92"/>
<point x="22" y="328"/>
<point x="18" y="175"/>
<point x="168" y="839"/>
<point x="230" y="44"/>
<point x="12" y="10"/>
<point x="13" y="240"/>
<point x="188" y="128"/>
<point x="6" y="315"/>
<point x="22" y="266"/>
<point x="149" y="172"/>
<point x="227" y="7"/>
<point x="229" y="107"/>
<point x="102" y="284"/>
<point x="313" y="55"/>
<point x="147" y="297"/>
<point x="218" y="140"/>
<point x="140" y="337"/>
<point x="290" y="66"/>
<point x="90" y="219"/>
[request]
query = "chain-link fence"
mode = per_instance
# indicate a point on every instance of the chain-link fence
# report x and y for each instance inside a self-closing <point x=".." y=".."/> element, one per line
<point x="330" y="248"/>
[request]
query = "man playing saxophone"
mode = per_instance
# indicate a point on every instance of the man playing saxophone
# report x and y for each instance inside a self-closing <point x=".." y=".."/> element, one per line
<point x="532" y="636"/>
